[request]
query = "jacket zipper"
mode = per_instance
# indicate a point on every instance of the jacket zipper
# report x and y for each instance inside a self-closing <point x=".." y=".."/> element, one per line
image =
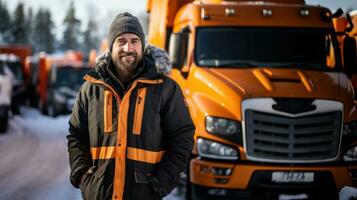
<point x="139" y="110"/>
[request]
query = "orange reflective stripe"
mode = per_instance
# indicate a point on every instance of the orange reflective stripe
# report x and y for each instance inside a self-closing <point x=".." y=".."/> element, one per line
<point x="108" y="110"/>
<point x="140" y="104"/>
<point x="139" y="110"/>
<point x="119" y="173"/>
<point x="144" y="155"/>
<point x="102" y="152"/>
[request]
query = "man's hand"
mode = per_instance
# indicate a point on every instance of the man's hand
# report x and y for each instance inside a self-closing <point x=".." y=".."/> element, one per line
<point x="86" y="174"/>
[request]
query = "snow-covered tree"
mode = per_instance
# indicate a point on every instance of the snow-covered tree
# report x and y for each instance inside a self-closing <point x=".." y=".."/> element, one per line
<point x="19" y="25"/>
<point x="42" y="35"/>
<point x="90" y="40"/>
<point x="29" y="25"/>
<point x="72" y="29"/>
<point x="5" y="25"/>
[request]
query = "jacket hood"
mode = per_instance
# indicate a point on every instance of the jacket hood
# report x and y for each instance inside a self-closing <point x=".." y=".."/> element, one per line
<point x="161" y="58"/>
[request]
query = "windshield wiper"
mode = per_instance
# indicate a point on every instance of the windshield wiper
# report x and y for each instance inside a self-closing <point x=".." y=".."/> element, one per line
<point x="237" y="64"/>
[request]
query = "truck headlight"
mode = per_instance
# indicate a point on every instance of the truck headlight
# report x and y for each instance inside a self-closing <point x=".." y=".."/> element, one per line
<point x="351" y="154"/>
<point x="216" y="150"/>
<point x="224" y="128"/>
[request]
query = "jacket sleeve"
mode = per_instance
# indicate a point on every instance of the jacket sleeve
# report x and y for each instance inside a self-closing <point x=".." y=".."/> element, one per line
<point x="78" y="140"/>
<point x="178" y="130"/>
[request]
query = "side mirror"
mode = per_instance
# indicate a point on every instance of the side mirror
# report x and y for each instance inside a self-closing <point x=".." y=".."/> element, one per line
<point x="350" y="55"/>
<point x="176" y="50"/>
<point x="350" y="23"/>
<point x="337" y="13"/>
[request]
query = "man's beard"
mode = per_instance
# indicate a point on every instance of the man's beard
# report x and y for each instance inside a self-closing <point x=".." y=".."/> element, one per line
<point x="128" y="65"/>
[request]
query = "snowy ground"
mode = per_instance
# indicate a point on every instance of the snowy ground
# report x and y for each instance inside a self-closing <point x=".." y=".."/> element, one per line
<point x="34" y="159"/>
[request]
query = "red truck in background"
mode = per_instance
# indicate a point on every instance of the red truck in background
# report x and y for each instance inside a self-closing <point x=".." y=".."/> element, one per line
<point x="14" y="57"/>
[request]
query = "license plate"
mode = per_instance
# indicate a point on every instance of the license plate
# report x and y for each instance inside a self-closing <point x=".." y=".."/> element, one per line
<point x="292" y="177"/>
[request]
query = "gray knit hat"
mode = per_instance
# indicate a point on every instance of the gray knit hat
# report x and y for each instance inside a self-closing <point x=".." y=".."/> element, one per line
<point x="125" y="23"/>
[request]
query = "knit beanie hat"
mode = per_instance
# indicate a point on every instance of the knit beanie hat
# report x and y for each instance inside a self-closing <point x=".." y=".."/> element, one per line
<point x="125" y="23"/>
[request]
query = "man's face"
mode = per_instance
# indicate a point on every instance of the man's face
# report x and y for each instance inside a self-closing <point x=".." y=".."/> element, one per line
<point x="127" y="52"/>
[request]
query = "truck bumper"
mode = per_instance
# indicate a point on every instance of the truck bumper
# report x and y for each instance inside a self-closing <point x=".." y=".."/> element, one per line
<point x="213" y="180"/>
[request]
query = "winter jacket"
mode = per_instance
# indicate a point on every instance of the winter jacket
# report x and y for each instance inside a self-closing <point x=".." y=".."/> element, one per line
<point x="129" y="143"/>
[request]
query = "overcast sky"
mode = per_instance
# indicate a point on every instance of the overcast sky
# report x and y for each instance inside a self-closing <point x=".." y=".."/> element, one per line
<point x="103" y="11"/>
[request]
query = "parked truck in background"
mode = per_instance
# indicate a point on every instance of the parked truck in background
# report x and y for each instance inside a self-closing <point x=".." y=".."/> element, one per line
<point x="273" y="109"/>
<point x="16" y="75"/>
<point x="5" y="98"/>
<point x="14" y="57"/>
<point x="59" y="79"/>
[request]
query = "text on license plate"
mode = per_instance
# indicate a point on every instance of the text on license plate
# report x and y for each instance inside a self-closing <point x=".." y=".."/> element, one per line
<point x="292" y="177"/>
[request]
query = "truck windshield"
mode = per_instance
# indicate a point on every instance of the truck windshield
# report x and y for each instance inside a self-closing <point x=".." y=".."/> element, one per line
<point x="70" y="77"/>
<point x="16" y="69"/>
<point x="309" y="48"/>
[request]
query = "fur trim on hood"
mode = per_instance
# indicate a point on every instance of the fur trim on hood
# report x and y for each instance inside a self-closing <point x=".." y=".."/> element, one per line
<point x="162" y="60"/>
<point x="160" y="56"/>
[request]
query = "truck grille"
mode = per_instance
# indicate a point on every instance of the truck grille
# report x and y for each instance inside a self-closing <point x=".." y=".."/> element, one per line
<point x="282" y="138"/>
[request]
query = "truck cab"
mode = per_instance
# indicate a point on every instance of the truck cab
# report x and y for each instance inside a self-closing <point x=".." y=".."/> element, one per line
<point x="273" y="109"/>
<point x="59" y="79"/>
<point x="13" y="65"/>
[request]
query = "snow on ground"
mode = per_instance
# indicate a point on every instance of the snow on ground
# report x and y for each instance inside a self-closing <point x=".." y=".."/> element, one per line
<point x="34" y="159"/>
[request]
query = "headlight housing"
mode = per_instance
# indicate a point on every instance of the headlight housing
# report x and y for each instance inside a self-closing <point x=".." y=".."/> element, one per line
<point x="225" y="128"/>
<point x="216" y="150"/>
<point x="59" y="97"/>
<point x="350" y="129"/>
<point x="350" y="155"/>
<point x="349" y="136"/>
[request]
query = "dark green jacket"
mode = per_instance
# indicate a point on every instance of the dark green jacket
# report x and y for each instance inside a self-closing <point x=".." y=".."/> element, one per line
<point x="128" y="143"/>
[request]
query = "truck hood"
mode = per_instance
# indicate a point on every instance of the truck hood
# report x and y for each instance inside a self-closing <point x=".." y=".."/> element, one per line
<point x="291" y="83"/>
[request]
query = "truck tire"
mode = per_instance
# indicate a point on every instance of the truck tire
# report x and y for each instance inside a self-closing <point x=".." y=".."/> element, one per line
<point x="42" y="106"/>
<point x="15" y="108"/>
<point x="51" y="110"/>
<point x="4" y="121"/>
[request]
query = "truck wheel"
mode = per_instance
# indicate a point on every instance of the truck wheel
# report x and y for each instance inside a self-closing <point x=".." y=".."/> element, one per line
<point x="4" y="122"/>
<point x="51" y="110"/>
<point x="42" y="107"/>
<point x="15" y="108"/>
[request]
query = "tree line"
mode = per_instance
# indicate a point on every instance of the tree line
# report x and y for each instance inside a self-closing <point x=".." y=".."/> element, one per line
<point x="37" y="30"/>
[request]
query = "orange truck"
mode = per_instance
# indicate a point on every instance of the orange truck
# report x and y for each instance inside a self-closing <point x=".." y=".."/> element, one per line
<point x="273" y="109"/>
<point x="59" y="79"/>
<point x="16" y="56"/>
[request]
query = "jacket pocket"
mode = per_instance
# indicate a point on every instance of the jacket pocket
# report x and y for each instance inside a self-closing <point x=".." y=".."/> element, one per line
<point x="139" y="111"/>
<point x="108" y="111"/>
<point x="94" y="185"/>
